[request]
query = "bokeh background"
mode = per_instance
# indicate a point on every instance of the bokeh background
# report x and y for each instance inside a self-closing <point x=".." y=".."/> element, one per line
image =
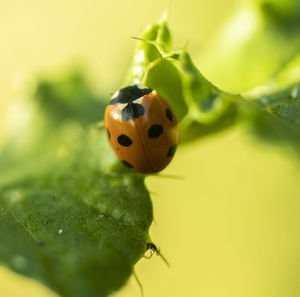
<point x="229" y="224"/>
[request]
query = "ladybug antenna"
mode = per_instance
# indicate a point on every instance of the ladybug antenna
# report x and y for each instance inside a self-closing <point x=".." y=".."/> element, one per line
<point x="158" y="46"/>
<point x="139" y="283"/>
<point x="145" y="40"/>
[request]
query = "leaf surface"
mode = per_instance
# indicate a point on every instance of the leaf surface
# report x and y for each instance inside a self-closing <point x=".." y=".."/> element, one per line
<point x="73" y="217"/>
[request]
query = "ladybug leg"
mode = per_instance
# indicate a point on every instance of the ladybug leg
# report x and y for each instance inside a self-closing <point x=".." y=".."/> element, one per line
<point x="164" y="259"/>
<point x="164" y="53"/>
<point x="170" y="176"/>
<point x="139" y="283"/>
<point x="97" y="127"/>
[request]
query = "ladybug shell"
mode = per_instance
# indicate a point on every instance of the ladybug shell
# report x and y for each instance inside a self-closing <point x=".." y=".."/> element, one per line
<point x="142" y="132"/>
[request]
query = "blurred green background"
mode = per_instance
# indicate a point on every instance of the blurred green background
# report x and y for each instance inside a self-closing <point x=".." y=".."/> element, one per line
<point x="229" y="226"/>
<point x="42" y="37"/>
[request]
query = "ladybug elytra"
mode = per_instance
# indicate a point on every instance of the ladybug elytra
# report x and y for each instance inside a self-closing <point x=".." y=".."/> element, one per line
<point x="141" y="128"/>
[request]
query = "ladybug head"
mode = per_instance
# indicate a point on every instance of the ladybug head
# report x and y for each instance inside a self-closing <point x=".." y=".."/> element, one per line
<point x="130" y="93"/>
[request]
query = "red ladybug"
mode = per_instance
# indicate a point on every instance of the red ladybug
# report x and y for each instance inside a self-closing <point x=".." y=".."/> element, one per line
<point x="141" y="128"/>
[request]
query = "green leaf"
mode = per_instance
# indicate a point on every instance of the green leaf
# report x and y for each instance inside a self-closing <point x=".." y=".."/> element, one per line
<point x="78" y="226"/>
<point x="173" y="74"/>
<point x="289" y="74"/>
<point x="205" y="102"/>
<point x="71" y="215"/>
<point x="68" y="97"/>
<point x="150" y="68"/>
<point x="164" y="77"/>
<point x="277" y="115"/>
<point x="203" y="109"/>
<point x="146" y="53"/>
<point x="200" y="106"/>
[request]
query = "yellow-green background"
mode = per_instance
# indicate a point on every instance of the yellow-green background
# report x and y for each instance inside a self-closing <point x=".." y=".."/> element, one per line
<point x="229" y="225"/>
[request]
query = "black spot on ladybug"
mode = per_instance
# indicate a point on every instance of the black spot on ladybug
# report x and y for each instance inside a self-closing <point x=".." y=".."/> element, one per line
<point x="169" y="115"/>
<point x="108" y="133"/>
<point x="132" y="111"/>
<point x="127" y="164"/>
<point x="130" y="93"/>
<point x="155" y="131"/>
<point x="124" y="140"/>
<point x="172" y="151"/>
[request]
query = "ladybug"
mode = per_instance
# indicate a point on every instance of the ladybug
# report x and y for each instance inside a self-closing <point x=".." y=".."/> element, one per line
<point x="141" y="128"/>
